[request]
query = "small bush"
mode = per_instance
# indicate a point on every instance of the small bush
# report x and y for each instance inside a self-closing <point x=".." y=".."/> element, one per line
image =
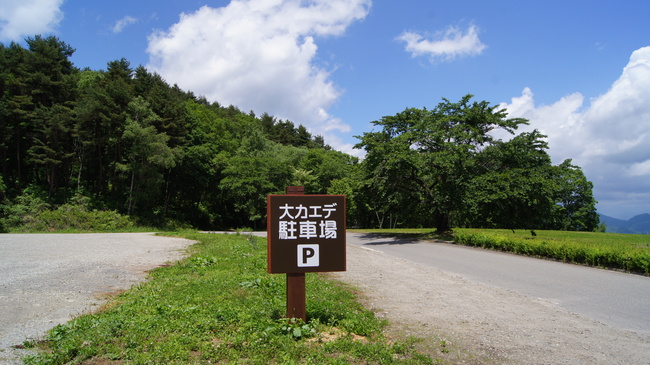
<point x="30" y="213"/>
<point x="76" y="218"/>
<point x="24" y="209"/>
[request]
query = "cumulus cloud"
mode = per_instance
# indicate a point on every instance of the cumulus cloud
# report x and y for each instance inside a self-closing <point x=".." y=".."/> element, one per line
<point x="259" y="55"/>
<point x="561" y="121"/>
<point x="445" y="45"/>
<point x="19" y="19"/>
<point x="609" y="138"/>
<point x="123" y="23"/>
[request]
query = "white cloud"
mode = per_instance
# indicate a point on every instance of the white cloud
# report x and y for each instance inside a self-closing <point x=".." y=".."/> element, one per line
<point x="259" y="55"/>
<point x="19" y="19"/>
<point x="123" y="23"/>
<point x="445" y="45"/>
<point x="560" y="121"/>
<point x="609" y="139"/>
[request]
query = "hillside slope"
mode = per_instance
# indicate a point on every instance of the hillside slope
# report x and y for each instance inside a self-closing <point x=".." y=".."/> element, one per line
<point x="639" y="224"/>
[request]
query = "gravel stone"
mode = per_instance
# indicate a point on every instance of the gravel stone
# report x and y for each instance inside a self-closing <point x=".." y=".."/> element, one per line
<point x="48" y="279"/>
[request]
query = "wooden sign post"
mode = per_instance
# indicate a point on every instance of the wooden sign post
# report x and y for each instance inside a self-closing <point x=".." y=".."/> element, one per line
<point x="305" y="233"/>
<point x="296" y="290"/>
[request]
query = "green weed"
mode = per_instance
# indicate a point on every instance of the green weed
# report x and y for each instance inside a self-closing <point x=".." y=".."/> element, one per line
<point x="219" y="305"/>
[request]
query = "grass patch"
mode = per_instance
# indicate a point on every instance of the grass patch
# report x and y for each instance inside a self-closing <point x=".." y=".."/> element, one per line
<point x="628" y="252"/>
<point x="220" y="306"/>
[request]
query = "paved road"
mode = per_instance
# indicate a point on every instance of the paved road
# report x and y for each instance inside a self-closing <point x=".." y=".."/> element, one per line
<point x="617" y="299"/>
<point x="46" y="279"/>
<point x="614" y="298"/>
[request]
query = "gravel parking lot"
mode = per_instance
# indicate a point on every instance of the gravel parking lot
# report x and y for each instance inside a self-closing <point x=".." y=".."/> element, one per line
<point x="47" y="279"/>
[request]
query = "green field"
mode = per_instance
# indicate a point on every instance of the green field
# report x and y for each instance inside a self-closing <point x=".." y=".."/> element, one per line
<point x="220" y="305"/>
<point x="628" y="252"/>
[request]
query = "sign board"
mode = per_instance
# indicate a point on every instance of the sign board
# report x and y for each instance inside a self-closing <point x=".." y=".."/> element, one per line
<point x="306" y="233"/>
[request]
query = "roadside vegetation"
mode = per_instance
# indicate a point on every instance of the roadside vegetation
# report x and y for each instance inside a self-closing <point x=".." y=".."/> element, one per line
<point x="219" y="305"/>
<point x="32" y="214"/>
<point x="627" y="252"/>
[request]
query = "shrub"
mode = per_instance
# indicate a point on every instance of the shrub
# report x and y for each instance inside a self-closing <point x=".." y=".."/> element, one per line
<point x="24" y="209"/>
<point x="74" y="217"/>
<point x="30" y="213"/>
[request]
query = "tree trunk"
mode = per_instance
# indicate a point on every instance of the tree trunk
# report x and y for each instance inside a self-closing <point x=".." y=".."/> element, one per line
<point x="50" y="174"/>
<point x="131" y="193"/>
<point x="442" y="222"/>
<point x="380" y="220"/>
<point x="18" y="163"/>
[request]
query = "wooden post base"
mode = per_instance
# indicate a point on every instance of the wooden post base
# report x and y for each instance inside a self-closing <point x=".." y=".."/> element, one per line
<point x="296" y="306"/>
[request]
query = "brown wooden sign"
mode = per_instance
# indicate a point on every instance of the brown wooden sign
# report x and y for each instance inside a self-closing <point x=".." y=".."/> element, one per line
<point x="306" y="233"/>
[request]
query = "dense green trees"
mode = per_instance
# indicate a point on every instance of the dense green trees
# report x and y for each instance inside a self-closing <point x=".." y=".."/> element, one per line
<point x="428" y="155"/>
<point x="122" y="140"/>
<point x="136" y="145"/>
<point x="443" y="168"/>
<point x="37" y="97"/>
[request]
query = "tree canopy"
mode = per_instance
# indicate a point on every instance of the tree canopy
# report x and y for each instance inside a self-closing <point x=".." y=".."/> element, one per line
<point x="443" y="168"/>
<point x="123" y="139"/>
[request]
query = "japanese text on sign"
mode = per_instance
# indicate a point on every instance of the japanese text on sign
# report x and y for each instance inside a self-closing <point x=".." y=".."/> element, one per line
<point x="306" y="233"/>
<point x="307" y="222"/>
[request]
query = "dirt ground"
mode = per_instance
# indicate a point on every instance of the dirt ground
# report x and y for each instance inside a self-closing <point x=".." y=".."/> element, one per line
<point x="479" y="324"/>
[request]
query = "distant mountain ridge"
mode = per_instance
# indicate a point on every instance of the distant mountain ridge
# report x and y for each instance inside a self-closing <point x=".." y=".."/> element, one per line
<point x="639" y="224"/>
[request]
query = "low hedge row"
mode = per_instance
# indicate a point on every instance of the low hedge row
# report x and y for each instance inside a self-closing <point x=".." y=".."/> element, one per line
<point x="611" y="256"/>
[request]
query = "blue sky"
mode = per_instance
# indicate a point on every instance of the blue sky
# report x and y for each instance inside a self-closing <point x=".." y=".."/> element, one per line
<point x="578" y="70"/>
